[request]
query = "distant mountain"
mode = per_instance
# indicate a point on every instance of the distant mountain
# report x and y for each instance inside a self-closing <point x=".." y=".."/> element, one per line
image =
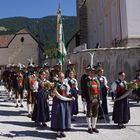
<point x="44" y="27"/>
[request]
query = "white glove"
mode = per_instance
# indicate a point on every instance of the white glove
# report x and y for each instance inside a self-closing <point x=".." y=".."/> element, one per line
<point x="100" y="102"/>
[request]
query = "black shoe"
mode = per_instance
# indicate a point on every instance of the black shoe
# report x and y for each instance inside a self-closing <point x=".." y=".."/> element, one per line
<point x="59" y="135"/>
<point x="95" y="130"/>
<point x="100" y="117"/>
<point x="40" y="125"/>
<point x="29" y="116"/>
<point x="84" y="112"/>
<point x="44" y="125"/>
<point x="121" y="126"/>
<point x="16" y="106"/>
<point x="21" y="106"/>
<point x="90" y="131"/>
<point x="72" y="119"/>
<point x="63" y="134"/>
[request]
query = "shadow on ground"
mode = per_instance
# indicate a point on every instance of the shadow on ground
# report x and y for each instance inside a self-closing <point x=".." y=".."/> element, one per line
<point x="6" y="105"/>
<point x="12" y="113"/>
<point x="134" y="104"/>
<point x="25" y="124"/>
<point x="35" y="134"/>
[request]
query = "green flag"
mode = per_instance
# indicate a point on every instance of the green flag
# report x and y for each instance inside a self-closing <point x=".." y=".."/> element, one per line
<point x="61" y="48"/>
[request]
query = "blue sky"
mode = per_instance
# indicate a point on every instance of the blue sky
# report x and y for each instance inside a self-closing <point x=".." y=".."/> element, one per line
<point x="36" y="8"/>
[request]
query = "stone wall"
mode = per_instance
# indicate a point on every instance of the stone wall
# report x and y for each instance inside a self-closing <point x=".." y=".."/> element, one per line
<point x="113" y="60"/>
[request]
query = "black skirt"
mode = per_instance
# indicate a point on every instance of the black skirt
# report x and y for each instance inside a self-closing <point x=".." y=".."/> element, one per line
<point x="104" y="100"/>
<point x="61" y="115"/>
<point x="74" y="104"/>
<point x="41" y="109"/>
<point x="121" y="111"/>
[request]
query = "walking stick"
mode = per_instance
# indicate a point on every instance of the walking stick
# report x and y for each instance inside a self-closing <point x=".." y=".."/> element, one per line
<point x="103" y="113"/>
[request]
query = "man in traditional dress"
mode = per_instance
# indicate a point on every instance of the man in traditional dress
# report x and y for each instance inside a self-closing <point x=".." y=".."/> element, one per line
<point x="93" y="97"/>
<point x="30" y="80"/>
<point x="70" y="67"/>
<point x="54" y="72"/>
<point x="46" y="71"/>
<point x="9" y="81"/>
<point x="19" y="87"/>
<point x="83" y="84"/>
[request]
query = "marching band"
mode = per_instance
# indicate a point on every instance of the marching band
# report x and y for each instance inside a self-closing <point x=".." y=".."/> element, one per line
<point x="39" y="84"/>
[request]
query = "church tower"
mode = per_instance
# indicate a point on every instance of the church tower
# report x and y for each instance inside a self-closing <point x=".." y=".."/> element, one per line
<point x="82" y="16"/>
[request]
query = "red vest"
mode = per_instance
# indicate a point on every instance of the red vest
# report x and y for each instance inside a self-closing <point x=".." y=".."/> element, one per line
<point x="47" y="74"/>
<point x="93" y="88"/>
<point x="20" y="79"/>
<point x="120" y="89"/>
<point x="32" y="81"/>
<point x="62" y="90"/>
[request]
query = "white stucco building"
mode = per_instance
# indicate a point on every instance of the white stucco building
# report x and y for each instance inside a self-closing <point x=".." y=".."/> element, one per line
<point x="111" y="23"/>
<point x="114" y="24"/>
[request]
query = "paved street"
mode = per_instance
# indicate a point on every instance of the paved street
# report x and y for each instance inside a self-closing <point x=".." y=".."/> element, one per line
<point x="14" y="124"/>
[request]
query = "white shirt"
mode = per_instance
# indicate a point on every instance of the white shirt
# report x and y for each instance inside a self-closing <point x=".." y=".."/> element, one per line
<point x="114" y="86"/>
<point x="104" y="79"/>
<point x="76" y="83"/>
<point x="35" y="86"/>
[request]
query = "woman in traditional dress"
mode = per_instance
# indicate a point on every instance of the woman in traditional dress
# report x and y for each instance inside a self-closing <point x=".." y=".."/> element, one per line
<point x="41" y="109"/>
<point x="61" y="114"/>
<point x="121" y="110"/>
<point x="103" y="109"/>
<point x="74" y="93"/>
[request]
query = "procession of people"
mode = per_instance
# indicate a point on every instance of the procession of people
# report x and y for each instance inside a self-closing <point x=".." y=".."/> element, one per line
<point x="38" y="84"/>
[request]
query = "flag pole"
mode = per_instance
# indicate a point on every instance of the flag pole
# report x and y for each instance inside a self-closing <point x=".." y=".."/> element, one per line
<point x="61" y="48"/>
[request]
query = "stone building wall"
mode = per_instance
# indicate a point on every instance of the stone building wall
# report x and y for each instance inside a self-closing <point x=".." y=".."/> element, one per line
<point x="113" y="60"/>
<point x="82" y="17"/>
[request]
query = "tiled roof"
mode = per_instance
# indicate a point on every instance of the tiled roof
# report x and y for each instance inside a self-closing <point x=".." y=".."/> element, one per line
<point x="5" y="40"/>
<point x="23" y="31"/>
